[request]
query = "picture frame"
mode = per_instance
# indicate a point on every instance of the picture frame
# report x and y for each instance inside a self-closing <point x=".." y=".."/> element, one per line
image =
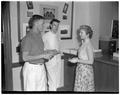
<point x="29" y="5"/>
<point x="66" y="30"/>
<point x="48" y="11"/>
<point x="29" y="14"/>
<point x="64" y="17"/>
<point x="115" y="29"/>
<point x="65" y="8"/>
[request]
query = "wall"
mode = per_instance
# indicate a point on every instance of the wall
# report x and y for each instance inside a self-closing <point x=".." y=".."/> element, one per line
<point x="17" y="79"/>
<point x="14" y="37"/>
<point x="108" y="12"/>
<point x="87" y="13"/>
<point x="14" y="30"/>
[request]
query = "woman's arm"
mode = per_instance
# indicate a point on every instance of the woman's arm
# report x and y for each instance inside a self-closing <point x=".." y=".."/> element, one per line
<point x="90" y="57"/>
<point x="90" y="60"/>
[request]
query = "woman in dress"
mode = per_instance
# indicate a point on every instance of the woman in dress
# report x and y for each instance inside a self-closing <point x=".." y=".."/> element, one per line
<point x="84" y="80"/>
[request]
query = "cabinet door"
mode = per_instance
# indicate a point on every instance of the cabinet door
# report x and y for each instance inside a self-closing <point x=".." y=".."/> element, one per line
<point x="69" y="75"/>
<point x="98" y="76"/>
<point x="106" y="77"/>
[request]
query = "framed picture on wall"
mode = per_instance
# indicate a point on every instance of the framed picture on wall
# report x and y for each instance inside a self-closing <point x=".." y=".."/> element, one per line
<point x="49" y="12"/>
<point x="67" y="29"/>
<point x="29" y="4"/>
<point x="64" y="31"/>
<point x="29" y="14"/>
<point x="115" y="29"/>
<point x="65" y="8"/>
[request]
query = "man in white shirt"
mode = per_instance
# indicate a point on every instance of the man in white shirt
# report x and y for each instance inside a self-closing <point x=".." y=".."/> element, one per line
<point x="53" y="66"/>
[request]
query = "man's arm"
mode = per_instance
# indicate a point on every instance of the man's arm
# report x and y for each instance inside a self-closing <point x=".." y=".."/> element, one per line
<point x="48" y="54"/>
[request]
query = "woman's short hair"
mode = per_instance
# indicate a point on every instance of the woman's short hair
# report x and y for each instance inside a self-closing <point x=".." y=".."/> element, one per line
<point x="87" y="29"/>
<point x="33" y="19"/>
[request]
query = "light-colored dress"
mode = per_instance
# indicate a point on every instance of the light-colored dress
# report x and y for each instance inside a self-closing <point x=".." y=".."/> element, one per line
<point x="84" y="81"/>
<point x="54" y="65"/>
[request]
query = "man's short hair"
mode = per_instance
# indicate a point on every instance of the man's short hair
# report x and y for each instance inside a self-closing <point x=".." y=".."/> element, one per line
<point x="54" y="20"/>
<point x="33" y="19"/>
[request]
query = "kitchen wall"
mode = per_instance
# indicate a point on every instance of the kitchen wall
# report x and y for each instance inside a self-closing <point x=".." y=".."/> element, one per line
<point x="96" y="14"/>
<point x="108" y="12"/>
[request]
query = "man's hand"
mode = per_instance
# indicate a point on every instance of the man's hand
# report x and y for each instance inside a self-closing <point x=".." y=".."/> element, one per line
<point x="48" y="56"/>
<point x="54" y="52"/>
<point x="50" y="53"/>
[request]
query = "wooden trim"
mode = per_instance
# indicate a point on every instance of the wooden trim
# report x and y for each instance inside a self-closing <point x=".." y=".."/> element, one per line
<point x="17" y="64"/>
<point x="18" y="22"/>
<point x="108" y="62"/>
<point x="7" y="46"/>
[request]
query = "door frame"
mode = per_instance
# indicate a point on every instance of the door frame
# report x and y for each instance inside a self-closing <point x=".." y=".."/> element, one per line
<point x="6" y="25"/>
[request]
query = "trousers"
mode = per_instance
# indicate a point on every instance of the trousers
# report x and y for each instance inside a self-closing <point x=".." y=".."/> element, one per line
<point x="34" y="77"/>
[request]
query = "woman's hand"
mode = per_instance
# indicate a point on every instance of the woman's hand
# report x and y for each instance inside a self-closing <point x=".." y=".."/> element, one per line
<point x="73" y="60"/>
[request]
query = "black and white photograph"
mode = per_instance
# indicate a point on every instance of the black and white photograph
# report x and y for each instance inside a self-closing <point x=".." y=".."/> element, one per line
<point x="54" y="47"/>
<point x="65" y="8"/>
<point x="29" y="5"/>
<point x="29" y="14"/>
<point x="48" y="11"/>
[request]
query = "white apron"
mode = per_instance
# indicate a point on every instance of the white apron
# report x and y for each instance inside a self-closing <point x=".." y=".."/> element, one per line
<point x="34" y="77"/>
<point x="54" y="66"/>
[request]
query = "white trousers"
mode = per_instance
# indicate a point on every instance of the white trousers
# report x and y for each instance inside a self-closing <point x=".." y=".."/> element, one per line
<point x="34" y="77"/>
<point x="53" y="72"/>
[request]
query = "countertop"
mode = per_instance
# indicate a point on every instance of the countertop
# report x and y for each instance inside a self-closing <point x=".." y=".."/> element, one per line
<point x="107" y="60"/>
<point x="103" y="59"/>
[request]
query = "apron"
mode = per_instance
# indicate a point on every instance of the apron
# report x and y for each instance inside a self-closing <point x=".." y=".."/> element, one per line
<point x="54" y="72"/>
<point x="54" y="66"/>
<point x="34" y="77"/>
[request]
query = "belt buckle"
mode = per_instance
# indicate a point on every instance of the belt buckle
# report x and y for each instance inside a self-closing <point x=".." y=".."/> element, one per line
<point x="41" y="64"/>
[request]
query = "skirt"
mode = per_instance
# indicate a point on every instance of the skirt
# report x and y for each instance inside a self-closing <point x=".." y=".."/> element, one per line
<point x="84" y="80"/>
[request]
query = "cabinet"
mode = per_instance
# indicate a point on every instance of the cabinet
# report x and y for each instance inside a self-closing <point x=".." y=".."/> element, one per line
<point x="106" y="74"/>
<point x="69" y="73"/>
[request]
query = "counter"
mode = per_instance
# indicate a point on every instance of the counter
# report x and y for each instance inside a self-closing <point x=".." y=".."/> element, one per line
<point x="107" y="60"/>
<point x="106" y="74"/>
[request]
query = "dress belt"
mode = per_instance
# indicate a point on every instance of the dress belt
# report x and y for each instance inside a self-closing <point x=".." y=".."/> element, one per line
<point x="37" y="63"/>
<point x="84" y="64"/>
